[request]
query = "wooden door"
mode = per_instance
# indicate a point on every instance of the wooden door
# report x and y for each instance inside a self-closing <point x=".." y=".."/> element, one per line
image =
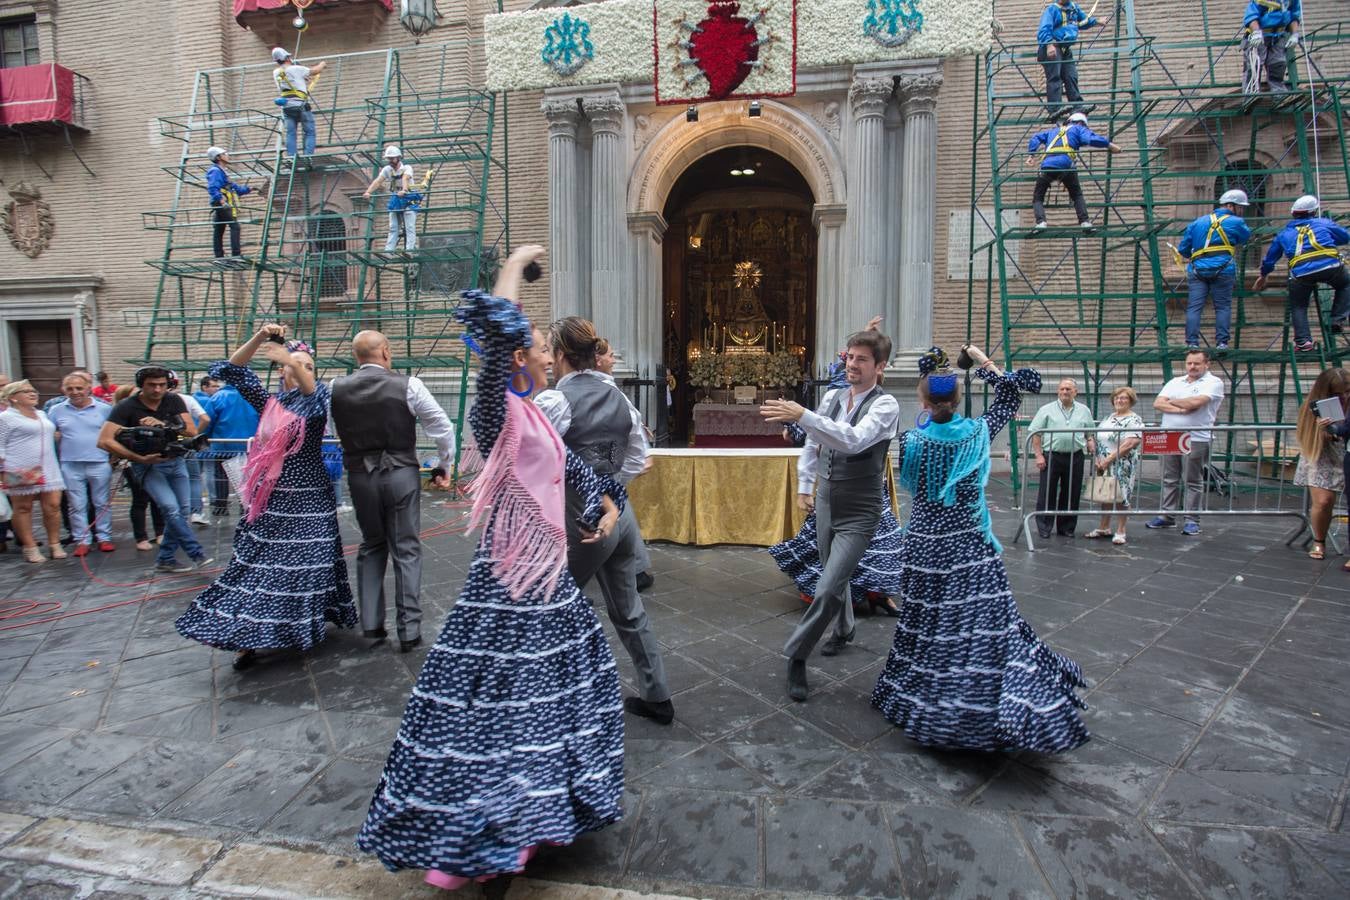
<point x="46" y="353"/>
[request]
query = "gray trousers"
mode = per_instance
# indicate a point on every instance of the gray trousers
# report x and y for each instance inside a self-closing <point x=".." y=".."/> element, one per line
<point x="644" y="557"/>
<point x="388" y="505"/>
<point x="613" y="563"/>
<point x="847" y="514"/>
<point x="1188" y="467"/>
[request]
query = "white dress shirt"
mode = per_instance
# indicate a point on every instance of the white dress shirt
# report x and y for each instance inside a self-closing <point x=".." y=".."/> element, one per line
<point x="433" y="419"/>
<point x="554" y="405"/>
<point x="837" y="434"/>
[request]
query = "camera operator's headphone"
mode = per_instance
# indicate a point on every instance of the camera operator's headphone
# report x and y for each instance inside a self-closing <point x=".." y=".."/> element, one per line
<point x="145" y="372"/>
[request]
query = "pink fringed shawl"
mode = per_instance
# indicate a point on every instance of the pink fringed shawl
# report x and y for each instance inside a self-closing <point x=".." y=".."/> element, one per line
<point x="518" y="498"/>
<point x="281" y="433"/>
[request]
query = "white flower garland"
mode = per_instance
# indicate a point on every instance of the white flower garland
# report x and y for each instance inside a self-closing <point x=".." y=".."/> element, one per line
<point x="679" y="79"/>
<point x="829" y="33"/>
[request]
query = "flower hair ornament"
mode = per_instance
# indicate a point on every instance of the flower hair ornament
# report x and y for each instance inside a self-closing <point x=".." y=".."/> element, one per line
<point x="298" y="346"/>
<point x="941" y="379"/>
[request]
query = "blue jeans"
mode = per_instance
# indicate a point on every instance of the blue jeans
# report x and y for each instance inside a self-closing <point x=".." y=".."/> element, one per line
<point x="409" y="221"/>
<point x="194" y="470"/>
<point x="1217" y="287"/>
<point x="300" y="118"/>
<point x="83" y="478"/>
<point x="167" y="485"/>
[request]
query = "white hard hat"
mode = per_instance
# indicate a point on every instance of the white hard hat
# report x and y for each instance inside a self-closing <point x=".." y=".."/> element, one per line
<point x="213" y="152"/>
<point x="1234" y="196"/>
<point x="1078" y="117"/>
<point x="392" y="151"/>
<point x="279" y="54"/>
<point x="1306" y="203"/>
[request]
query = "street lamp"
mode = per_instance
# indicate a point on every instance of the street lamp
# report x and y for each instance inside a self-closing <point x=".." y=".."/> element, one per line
<point x="418" y="16"/>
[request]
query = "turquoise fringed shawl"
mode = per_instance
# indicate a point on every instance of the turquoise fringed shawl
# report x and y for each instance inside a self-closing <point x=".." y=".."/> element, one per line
<point x="946" y="455"/>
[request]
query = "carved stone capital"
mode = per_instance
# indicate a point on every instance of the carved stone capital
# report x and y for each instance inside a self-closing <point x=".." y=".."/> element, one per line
<point x="605" y="113"/>
<point x="869" y="96"/>
<point x="563" y="116"/>
<point x="919" y="93"/>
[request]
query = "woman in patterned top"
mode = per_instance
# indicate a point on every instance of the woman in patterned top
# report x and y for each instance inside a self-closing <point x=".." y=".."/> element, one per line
<point x="1118" y="457"/>
<point x="287" y="577"/>
<point x="965" y="670"/>
<point x="513" y="735"/>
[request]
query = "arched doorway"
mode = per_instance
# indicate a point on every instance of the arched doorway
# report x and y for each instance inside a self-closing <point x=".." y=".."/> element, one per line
<point x="738" y="271"/>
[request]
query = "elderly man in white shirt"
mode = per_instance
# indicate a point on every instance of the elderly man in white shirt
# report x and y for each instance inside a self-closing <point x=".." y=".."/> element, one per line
<point x="847" y="439"/>
<point x="1188" y="402"/>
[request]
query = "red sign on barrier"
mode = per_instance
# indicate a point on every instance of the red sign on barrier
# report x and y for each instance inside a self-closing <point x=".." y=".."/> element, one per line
<point x="1167" y="443"/>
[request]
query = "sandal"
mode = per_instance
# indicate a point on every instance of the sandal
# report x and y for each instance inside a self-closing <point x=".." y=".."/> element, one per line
<point x="1118" y="539"/>
<point x="1098" y="533"/>
<point x="33" y="555"/>
<point x="1318" y="551"/>
<point x="1346" y="566"/>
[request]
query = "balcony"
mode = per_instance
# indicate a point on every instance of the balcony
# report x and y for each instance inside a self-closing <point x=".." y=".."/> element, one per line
<point x="45" y="97"/>
<point x="271" y="19"/>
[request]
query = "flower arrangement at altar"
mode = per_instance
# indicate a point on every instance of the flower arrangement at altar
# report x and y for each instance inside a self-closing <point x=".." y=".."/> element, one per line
<point x="705" y="370"/>
<point x="714" y="370"/>
<point x="782" y="369"/>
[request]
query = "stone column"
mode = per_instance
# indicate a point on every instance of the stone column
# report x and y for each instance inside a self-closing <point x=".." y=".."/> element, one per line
<point x="611" y="307"/>
<point x="830" y="264"/>
<point x="867" y="287"/>
<point x="918" y="210"/>
<point x="647" y="296"/>
<point x="564" y="204"/>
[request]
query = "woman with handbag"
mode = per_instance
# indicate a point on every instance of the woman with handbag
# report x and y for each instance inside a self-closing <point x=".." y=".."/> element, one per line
<point x="30" y="469"/>
<point x="1117" y="459"/>
<point x="1322" y="454"/>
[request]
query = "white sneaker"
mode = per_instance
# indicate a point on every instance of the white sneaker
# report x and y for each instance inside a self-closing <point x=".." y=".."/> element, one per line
<point x="200" y="518"/>
<point x="1040" y="226"/>
<point x="1086" y="226"/>
<point x="345" y="507"/>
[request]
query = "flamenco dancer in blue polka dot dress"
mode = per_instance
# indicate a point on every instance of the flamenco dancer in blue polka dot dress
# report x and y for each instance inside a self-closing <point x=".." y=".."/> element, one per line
<point x="877" y="576"/>
<point x="287" y="577"/>
<point x="513" y="735"/>
<point x="965" y="671"/>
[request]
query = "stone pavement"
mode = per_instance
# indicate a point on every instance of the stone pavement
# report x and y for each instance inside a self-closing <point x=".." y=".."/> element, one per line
<point x="1218" y="766"/>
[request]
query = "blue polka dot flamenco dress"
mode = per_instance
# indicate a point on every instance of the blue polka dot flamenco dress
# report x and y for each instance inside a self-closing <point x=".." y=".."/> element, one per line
<point x="513" y="735"/>
<point x="287" y="578"/>
<point x="965" y="671"/>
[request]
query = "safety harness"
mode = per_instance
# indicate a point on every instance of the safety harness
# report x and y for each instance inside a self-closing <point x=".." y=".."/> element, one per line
<point x="1216" y="228"/>
<point x="227" y="192"/>
<point x="287" y="87"/>
<point x="1314" y="251"/>
<point x="1059" y="145"/>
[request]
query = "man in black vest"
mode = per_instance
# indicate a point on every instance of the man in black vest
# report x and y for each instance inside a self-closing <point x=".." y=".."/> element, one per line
<point x="376" y="412"/>
<point x="847" y="439"/>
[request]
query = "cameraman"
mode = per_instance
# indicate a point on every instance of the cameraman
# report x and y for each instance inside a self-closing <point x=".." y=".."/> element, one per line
<point x="164" y="479"/>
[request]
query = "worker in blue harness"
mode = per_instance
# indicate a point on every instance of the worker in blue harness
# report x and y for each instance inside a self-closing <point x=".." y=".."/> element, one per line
<point x="404" y="200"/>
<point x="1272" y="31"/>
<point x="1209" y="247"/>
<point x="1059" y="148"/>
<point x="1310" y="242"/>
<point x="293" y="84"/>
<point x="1055" y="37"/>
<point x="225" y="196"/>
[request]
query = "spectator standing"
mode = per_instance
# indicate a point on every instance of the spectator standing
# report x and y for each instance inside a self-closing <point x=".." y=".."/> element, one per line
<point x="84" y="465"/>
<point x="140" y="500"/>
<point x="104" y="389"/>
<point x="1055" y="36"/>
<point x="1117" y="456"/>
<point x="1188" y="402"/>
<point x="1321" y="455"/>
<point x="1209" y="246"/>
<point x="202" y="420"/>
<point x="1310" y="243"/>
<point x="29" y="469"/>
<point x="1059" y="457"/>
<point x="233" y="422"/>
<point x="4" y="520"/>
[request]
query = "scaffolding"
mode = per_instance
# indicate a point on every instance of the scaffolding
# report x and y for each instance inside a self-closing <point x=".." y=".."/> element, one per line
<point x="1108" y="305"/>
<point x="314" y="253"/>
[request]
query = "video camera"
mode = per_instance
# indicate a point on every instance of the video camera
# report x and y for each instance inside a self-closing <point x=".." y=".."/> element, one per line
<point x="160" y="440"/>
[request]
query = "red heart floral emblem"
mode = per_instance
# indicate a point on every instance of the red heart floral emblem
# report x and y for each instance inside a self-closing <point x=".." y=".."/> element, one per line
<point x="723" y="46"/>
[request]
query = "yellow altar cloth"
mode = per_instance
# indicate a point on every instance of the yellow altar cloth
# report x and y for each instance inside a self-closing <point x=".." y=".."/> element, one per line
<point x="723" y="496"/>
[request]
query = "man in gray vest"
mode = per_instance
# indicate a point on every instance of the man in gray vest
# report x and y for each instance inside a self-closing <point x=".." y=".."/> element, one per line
<point x="597" y="423"/>
<point x="376" y="412"/>
<point x="847" y="439"/>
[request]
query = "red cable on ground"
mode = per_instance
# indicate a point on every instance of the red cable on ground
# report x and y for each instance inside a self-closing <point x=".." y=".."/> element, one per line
<point x="20" y="607"/>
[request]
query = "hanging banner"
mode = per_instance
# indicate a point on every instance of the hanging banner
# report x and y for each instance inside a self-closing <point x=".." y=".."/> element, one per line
<point x="724" y="50"/>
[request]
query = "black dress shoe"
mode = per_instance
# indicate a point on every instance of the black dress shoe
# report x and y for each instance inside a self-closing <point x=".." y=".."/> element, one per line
<point x="645" y="580"/>
<point x="797" y="680"/>
<point x="407" y="646"/>
<point x="662" y="713"/>
<point x="836" y="643"/>
<point x="882" y="604"/>
<point x="245" y="660"/>
<point x="375" y="634"/>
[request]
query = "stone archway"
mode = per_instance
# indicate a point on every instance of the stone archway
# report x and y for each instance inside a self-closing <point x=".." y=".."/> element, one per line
<point x="781" y="129"/>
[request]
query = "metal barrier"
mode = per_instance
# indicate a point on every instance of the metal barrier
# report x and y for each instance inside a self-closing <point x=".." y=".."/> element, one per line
<point x="1249" y="473"/>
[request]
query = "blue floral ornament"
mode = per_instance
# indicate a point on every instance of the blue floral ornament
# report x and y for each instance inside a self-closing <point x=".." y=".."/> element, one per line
<point x="891" y="23"/>
<point x="567" y="45"/>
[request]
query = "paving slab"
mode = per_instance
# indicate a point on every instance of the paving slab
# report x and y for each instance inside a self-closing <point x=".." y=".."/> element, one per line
<point x="167" y="859"/>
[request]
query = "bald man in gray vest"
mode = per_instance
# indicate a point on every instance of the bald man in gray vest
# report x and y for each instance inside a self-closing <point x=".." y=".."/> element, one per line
<point x="376" y="411"/>
<point x="847" y="439"/>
